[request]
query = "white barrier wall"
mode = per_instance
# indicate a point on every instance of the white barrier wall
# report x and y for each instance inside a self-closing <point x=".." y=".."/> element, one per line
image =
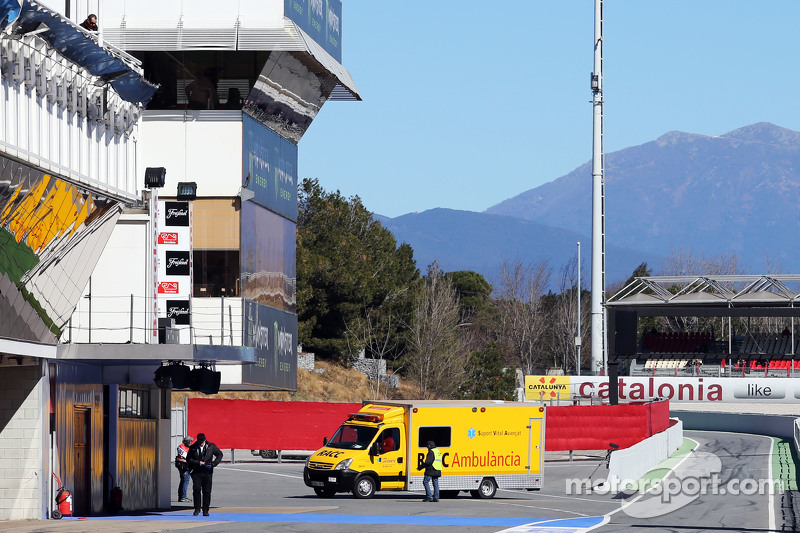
<point x="634" y="462"/>
<point x="797" y="435"/>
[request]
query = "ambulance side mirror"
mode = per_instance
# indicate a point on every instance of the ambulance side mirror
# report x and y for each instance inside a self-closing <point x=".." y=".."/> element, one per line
<point x="373" y="450"/>
<point x="324" y="441"/>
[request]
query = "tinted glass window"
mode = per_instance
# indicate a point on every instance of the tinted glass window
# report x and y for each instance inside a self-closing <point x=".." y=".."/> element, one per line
<point x="438" y="434"/>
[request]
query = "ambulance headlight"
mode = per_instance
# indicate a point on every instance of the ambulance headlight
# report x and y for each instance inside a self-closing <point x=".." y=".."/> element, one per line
<point x="344" y="465"/>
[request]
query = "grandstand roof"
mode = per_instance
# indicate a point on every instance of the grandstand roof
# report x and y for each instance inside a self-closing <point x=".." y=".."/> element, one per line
<point x="711" y="295"/>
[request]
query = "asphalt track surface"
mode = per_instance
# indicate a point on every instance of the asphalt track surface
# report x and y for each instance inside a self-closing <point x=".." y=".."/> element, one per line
<point x="263" y="495"/>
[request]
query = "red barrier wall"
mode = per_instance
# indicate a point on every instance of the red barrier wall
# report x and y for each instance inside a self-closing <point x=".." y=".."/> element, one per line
<point x="593" y="427"/>
<point x="271" y="425"/>
<point x="266" y="425"/>
<point x="659" y="417"/>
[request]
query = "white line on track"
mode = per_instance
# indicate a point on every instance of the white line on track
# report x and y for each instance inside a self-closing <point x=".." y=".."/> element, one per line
<point x="771" y="492"/>
<point x="539" y="495"/>
<point x="495" y="502"/>
<point x="257" y="472"/>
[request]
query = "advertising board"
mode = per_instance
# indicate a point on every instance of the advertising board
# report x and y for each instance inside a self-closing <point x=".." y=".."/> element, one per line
<point x="273" y="334"/>
<point x="692" y="389"/>
<point x="269" y="166"/>
<point x="268" y="251"/>
<point x="173" y="260"/>
<point x="321" y="20"/>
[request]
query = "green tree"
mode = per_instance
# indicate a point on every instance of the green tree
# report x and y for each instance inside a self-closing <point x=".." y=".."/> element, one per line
<point x="488" y="380"/>
<point x="349" y="267"/>
<point x="473" y="292"/>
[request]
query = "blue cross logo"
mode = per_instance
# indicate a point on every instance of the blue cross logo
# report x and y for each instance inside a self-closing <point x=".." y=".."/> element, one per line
<point x="471" y="433"/>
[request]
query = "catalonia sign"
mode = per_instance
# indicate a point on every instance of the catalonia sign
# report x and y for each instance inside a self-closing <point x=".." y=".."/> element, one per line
<point x="688" y="389"/>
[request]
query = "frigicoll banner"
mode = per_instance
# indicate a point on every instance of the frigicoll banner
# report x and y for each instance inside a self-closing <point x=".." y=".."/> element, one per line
<point x="676" y="389"/>
<point x="173" y="261"/>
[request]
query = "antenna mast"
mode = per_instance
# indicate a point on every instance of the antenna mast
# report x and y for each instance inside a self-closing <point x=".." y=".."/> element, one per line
<point x="598" y="200"/>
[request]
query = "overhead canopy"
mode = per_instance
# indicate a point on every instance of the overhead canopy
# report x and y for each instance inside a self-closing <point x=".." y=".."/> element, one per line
<point x="711" y="295"/>
<point x="78" y="46"/>
<point x="346" y="88"/>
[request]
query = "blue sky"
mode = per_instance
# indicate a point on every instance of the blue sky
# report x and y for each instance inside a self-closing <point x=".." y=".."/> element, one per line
<point x="470" y="102"/>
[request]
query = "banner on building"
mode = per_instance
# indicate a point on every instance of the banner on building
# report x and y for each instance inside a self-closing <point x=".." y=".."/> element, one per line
<point x="692" y="389"/>
<point x="273" y="334"/>
<point x="321" y="20"/>
<point x="173" y="263"/>
<point x="269" y="167"/>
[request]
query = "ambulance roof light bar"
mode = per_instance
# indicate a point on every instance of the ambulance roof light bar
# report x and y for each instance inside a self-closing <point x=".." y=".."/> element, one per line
<point x="362" y="417"/>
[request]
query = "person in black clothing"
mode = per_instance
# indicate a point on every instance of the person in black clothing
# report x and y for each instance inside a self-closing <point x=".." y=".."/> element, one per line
<point x="433" y="470"/>
<point x="90" y="23"/>
<point x="203" y="456"/>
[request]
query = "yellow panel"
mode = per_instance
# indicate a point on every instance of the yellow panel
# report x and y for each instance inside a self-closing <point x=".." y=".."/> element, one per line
<point x="492" y="439"/>
<point x="216" y="224"/>
<point x="542" y="388"/>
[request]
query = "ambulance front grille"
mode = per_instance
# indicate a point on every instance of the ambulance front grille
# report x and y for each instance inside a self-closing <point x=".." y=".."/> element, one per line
<point x="320" y="466"/>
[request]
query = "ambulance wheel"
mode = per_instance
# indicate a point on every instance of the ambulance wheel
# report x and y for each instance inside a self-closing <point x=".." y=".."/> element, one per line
<point x="324" y="493"/>
<point x="487" y="489"/>
<point x="56" y="514"/>
<point x="364" y="487"/>
<point x="448" y="493"/>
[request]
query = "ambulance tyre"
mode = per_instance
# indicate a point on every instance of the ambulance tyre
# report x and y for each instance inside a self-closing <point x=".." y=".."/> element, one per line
<point x="486" y="490"/>
<point x="449" y="493"/>
<point x="364" y="487"/>
<point x="324" y="493"/>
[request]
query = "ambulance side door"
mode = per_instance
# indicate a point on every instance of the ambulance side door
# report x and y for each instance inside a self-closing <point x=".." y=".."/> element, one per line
<point x="390" y="462"/>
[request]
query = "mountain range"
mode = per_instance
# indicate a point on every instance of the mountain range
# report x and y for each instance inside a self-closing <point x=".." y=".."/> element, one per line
<point x="730" y="195"/>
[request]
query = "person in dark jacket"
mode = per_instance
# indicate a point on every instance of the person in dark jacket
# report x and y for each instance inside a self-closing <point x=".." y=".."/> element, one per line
<point x="433" y="470"/>
<point x="90" y="23"/>
<point x="203" y="456"/>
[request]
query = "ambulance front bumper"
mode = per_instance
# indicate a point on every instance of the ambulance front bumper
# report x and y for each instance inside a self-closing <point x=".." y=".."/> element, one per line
<point x="338" y="480"/>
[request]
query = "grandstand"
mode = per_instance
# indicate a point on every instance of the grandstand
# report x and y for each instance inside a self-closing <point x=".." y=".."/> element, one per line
<point x="739" y="297"/>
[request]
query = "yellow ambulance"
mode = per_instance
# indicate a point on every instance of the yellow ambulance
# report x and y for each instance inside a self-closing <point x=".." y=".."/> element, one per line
<point x="485" y="445"/>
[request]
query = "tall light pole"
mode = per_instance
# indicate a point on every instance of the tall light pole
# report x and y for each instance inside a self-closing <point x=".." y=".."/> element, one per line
<point x="578" y="336"/>
<point x="598" y="198"/>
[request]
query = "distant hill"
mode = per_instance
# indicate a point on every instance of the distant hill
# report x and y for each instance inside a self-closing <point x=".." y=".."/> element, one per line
<point x="736" y="193"/>
<point x="465" y="240"/>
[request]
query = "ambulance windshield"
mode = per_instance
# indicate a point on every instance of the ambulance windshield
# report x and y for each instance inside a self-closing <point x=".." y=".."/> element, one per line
<point x="352" y="437"/>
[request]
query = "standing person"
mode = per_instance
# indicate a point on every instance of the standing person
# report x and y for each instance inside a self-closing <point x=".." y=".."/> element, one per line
<point x="203" y="456"/>
<point x="433" y="469"/>
<point x="183" y="468"/>
<point x="90" y="23"/>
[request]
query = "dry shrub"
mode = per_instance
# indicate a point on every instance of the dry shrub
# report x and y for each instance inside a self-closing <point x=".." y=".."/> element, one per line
<point x="329" y="383"/>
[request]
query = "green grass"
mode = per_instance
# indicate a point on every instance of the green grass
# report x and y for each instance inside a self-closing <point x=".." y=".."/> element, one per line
<point x="784" y="464"/>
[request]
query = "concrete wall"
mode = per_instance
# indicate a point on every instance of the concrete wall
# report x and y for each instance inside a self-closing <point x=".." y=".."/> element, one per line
<point x="22" y="450"/>
<point x="759" y="424"/>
